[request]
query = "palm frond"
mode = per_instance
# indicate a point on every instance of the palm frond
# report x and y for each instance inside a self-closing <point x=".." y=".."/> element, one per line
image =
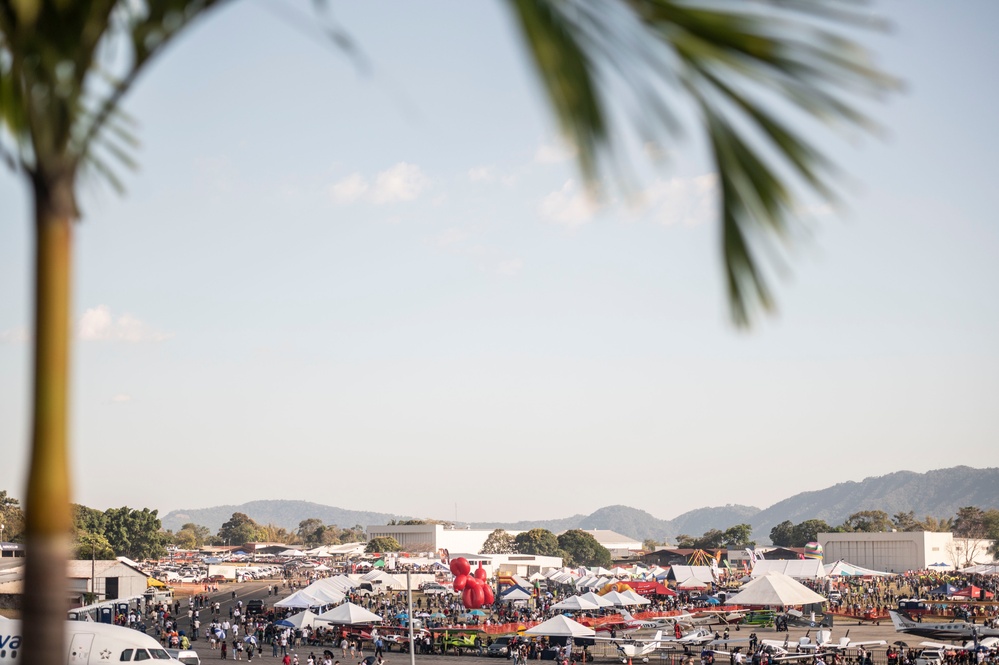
<point x="734" y="60"/>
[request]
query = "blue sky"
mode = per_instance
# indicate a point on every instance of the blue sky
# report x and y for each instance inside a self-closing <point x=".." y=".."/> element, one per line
<point x="382" y="290"/>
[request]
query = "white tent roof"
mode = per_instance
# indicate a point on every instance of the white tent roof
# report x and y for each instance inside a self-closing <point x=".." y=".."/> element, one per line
<point x="514" y="593"/>
<point x="348" y="614"/>
<point x="702" y="573"/>
<point x="775" y="589"/>
<point x="292" y="552"/>
<point x="301" y="620"/>
<point x="561" y="626"/>
<point x="301" y="600"/>
<point x="692" y="583"/>
<point x="843" y="569"/>
<point x="639" y="599"/>
<point x="982" y="569"/>
<point x="575" y="604"/>
<point x="600" y="601"/>
<point x="619" y="599"/>
<point x="618" y="571"/>
<point x="801" y="569"/>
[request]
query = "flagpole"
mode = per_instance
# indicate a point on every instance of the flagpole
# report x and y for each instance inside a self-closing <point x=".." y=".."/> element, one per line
<point x="409" y="601"/>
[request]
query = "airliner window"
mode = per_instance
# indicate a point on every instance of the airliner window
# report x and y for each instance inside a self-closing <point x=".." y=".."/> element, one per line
<point x="141" y="654"/>
<point x="159" y="654"/>
<point x="126" y="655"/>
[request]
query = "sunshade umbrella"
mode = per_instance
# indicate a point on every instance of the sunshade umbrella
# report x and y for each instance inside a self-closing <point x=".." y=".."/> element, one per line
<point x="478" y="613"/>
<point x="900" y="643"/>
<point x="251" y="639"/>
<point x="401" y="615"/>
<point x="437" y="615"/>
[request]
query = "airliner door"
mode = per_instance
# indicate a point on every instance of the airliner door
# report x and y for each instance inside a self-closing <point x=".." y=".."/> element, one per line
<point x="79" y="649"/>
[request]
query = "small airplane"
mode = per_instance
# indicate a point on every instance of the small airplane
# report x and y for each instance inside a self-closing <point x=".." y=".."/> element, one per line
<point x="954" y="630"/>
<point x="633" y="649"/>
<point x="89" y="643"/>
<point x="971" y="645"/>
<point x="822" y="642"/>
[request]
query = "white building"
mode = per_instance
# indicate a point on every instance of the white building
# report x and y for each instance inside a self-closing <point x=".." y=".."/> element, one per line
<point x="899" y="551"/>
<point x="432" y="537"/>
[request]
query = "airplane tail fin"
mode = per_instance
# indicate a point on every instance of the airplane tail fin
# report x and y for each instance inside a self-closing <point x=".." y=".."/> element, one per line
<point x="897" y="620"/>
<point x="657" y="638"/>
<point x="626" y="615"/>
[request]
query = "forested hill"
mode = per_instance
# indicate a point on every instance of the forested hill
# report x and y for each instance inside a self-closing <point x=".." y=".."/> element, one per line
<point x="935" y="493"/>
<point x="284" y="513"/>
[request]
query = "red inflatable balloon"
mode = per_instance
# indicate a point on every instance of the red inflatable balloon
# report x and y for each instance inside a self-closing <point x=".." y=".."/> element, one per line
<point x="488" y="592"/>
<point x="460" y="566"/>
<point x="480" y="573"/>
<point x="478" y="597"/>
<point x="466" y="597"/>
<point x="460" y="581"/>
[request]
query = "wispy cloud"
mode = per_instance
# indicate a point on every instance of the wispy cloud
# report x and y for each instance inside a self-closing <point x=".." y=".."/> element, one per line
<point x="554" y="153"/>
<point x="401" y="182"/>
<point x="452" y="237"/>
<point x="17" y="335"/>
<point x="569" y="206"/>
<point x="349" y="189"/>
<point x="480" y="174"/>
<point x="98" y="324"/>
<point x="688" y="201"/>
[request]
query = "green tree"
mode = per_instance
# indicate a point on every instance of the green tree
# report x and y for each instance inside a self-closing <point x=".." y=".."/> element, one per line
<point x="582" y="549"/>
<point x="383" y="544"/>
<point x="540" y="542"/>
<point x="905" y="521"/>
<point x="239" y="529"/>
<point x="937" y="525"/>
<point x="307" y="530"/>
<point x="92" y="546"/>
<point x="498" y="542"/>
<point x="685" y="542"/>
<point x="870" y="521"/>
<point x="712" y="539"/>
<point x="12" y="518"/>
<point x="782" y="535"/>
<point x="738" y="536"/>
<point x="969" y="522"/>
<point x="650" y="545"/>
<point x="65" y="67"/>
<point x="192" y="536"/>
<point x="808" y="531"/>
<point x="136" y="534"/>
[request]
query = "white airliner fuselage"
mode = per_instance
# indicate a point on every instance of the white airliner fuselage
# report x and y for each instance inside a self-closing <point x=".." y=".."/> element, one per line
<point x="89" y="643"/>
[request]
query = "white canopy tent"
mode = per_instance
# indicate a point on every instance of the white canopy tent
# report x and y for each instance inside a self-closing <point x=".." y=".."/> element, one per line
<point x="292" y="552"/>
<point x="843" y="569"/>
<point x="300" y="600"/>
<point x="561" y="626"/>
<point x="348" y="614"/>
<point x="701" y="573"/>
<point x="575" y="604"/>
<point x="514" y="594"/>
<point x="303" y="619"/>
<point x="599" y="601"/>
<point x="639" y="599"/>
<point x="775" y="589"/>
<point x="619" y="599"/>
<point x="982" y="569"/>
<point x="691" y="584"/>
<point x="799" y="569"/>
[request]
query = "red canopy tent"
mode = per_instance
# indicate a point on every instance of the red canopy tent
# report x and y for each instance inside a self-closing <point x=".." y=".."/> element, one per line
<point x="973" y="592"/>
<point x="650" y="588"/>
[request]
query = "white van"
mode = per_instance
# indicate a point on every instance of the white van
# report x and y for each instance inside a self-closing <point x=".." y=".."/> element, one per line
<point x="186" y="656"/>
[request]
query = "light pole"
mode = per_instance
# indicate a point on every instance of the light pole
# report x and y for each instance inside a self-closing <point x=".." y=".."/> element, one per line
<point x="2" y="527"/>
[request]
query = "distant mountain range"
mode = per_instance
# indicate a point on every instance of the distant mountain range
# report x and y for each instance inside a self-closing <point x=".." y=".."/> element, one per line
<point x="938" y="493"/>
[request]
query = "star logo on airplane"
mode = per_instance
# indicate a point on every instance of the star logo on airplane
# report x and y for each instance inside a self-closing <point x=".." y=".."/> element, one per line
<point x="106" y="654"/>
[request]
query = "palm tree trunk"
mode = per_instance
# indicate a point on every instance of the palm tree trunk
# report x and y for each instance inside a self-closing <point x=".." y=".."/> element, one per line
<point x="47" y="517"/>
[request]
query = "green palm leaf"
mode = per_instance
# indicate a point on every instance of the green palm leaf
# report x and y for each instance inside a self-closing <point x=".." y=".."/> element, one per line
<point x="731" y="59"/>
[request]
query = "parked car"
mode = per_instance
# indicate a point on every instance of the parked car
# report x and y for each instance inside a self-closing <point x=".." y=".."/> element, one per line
<point x="186" y="656"/>
<point x="432" y="588"/>
<point x="501" y="647"/>
<point x="255" y="606"/>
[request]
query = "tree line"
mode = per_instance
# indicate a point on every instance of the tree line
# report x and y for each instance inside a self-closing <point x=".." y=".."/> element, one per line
<point x="138" y="534"/>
